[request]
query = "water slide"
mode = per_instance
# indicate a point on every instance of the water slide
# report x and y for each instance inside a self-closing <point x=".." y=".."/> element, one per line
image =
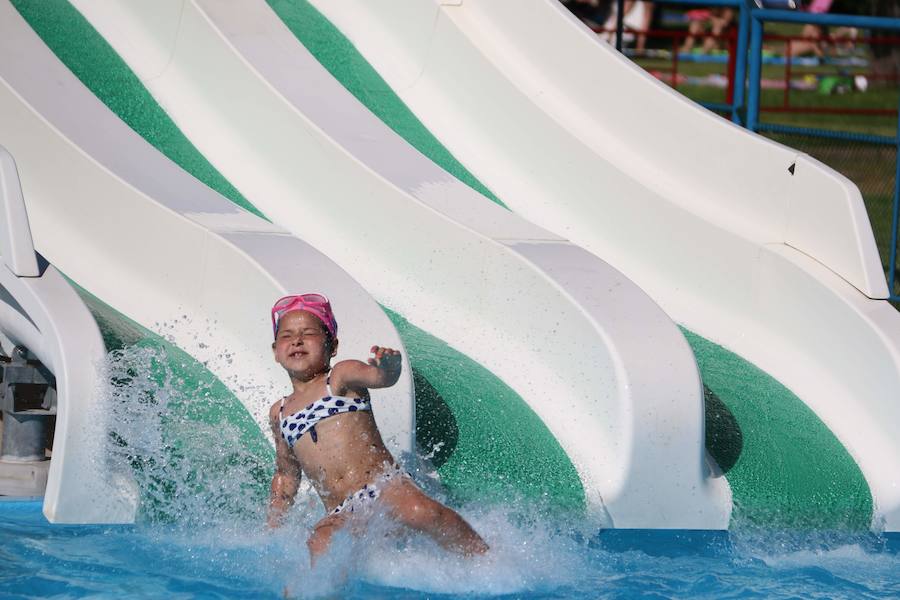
<point x="753" y="246"/>
<point x="735" y="256"/>
<point x="150" y="246"/>
<point x="605" y="371"/>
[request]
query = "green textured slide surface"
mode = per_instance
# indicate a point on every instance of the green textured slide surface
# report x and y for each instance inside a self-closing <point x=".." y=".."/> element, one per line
<point x="492" y="444"/>
<point x="785" y="467"/>
<point x="209" y="440"/>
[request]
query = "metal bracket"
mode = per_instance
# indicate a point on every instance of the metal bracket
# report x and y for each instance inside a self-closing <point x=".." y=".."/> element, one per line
<point x="27" y="386"/>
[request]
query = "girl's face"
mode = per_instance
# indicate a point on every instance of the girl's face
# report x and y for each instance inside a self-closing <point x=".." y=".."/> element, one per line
<point x="302" y="345"/>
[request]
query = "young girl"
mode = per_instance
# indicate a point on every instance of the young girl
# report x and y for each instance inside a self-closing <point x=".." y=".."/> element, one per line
<point x="325" y="429"/>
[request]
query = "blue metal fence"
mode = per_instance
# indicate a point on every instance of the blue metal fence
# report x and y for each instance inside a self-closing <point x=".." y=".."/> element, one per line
<point x="736" y="107"/>
<point x="760" y="16"/>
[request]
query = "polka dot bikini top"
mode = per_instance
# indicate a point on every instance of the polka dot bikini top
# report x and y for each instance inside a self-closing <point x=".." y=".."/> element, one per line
<point x="295" y="425"/>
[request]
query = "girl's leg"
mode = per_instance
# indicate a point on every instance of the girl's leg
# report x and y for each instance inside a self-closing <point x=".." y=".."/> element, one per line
<point x="411" y="507"/>
<point x="320" y="538"/>
<point x="641" y="44"/>
<point x="811" y="44"/>
<point x="720" y="21"/>
<point x="694" y="29"/>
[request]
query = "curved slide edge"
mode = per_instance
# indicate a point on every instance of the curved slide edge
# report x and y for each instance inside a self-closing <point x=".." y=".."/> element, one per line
<point x="779" y="268"/>
<point x="40" y="311"/>
<point x="159" y="247"/>
<point x="502" y="291"/>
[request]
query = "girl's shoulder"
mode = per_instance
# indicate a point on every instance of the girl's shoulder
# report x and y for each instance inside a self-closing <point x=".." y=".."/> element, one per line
<point x="275" y="410"/>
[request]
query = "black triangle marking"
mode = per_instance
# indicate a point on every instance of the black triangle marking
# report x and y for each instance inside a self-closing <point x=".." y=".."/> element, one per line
<point x="791" y="168"/>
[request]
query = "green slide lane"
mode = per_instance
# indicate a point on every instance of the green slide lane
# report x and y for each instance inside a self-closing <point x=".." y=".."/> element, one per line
<point x="209" y="438"/>
<point x="784" y="466"/>
<point x="97" y="65"/>
<point x="486" y="441"/>
<point x="341" y="59"/>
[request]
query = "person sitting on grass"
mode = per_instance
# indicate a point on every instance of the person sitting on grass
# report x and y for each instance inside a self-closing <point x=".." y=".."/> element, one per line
<point x="717" y="19"/>
<point x="814" y="36"/>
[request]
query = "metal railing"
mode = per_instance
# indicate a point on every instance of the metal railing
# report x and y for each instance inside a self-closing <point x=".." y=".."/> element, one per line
<point x="760" y="16"/>
<point x="736" y="105"/>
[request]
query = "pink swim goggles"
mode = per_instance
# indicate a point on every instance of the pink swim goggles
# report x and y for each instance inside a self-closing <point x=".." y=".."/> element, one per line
<point x="316" y="304"/>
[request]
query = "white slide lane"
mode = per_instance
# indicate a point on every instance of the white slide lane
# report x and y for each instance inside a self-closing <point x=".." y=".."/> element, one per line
<point x="40" y="311"/>
<point x="605" y="369"/>
<point x="778" y="265"/>
<point x="138" y="232"/>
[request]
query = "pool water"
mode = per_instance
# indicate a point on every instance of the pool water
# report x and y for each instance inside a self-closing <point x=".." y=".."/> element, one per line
<point x="200" y="530"/>
<point x="536" y="559"/>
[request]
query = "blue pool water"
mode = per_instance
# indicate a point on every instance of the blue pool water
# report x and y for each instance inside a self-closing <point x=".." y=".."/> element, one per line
<point x="200" y="534"/>
<point x="530" y="560"/>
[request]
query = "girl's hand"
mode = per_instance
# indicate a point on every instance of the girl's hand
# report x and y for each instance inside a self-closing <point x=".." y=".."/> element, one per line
<point x="386" y="359"/>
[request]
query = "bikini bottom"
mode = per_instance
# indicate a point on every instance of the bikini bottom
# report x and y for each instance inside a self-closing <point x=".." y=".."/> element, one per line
<point x="370" y="492"/>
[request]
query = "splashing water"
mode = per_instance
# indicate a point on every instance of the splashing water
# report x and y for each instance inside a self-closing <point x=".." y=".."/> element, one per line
<point x="201" y="532"/>
<point x="189" y="459"/>
<point x="204" y="493"/>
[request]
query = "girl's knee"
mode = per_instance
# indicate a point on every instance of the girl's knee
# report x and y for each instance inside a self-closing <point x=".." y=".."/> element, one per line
<point x="317" y="543"/>
<point x="421" y="512"/>
<point x="318" y="540"/>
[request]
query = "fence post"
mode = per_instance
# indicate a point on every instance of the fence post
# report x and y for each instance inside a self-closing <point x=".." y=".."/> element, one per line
<point x="895" y="224"/>
<point x="756" y="39"/>
<point x="740" y="69"/>
<point x="620" y="23"/>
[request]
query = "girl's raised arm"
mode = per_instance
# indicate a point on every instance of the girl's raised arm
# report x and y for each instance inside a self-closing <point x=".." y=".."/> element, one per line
<point x="382" y="370"/>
